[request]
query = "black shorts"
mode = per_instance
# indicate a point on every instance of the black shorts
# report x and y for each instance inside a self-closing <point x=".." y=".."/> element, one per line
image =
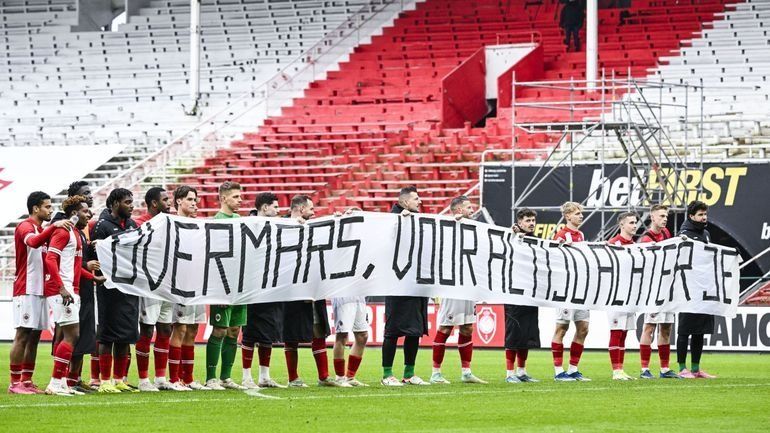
<point x="264" y="323"/>
<point x="118" y="316"/>
<point x="695" y="324"/>
<point x="521" y="327"/>
<point x="87" y="342"/>
<point x="298" y="320"/>
<point x="406" y="316"/>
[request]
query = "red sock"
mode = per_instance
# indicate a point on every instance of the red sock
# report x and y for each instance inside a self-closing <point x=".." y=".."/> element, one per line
<point x="120" y="367"/>
<point x="160" y="354"/>
<point x="645" y="352"/>
<point x="105" y="366"/>
<point x="94" y="367"/>
<point x="61" y="359"/>
<point x="188" y="363"/>
<point x="439" y="348"/>
<point x="27" y="370"/>
<point x="290" y="352"/>
<point x="522" y="358"/>
<point x="353" y="363"/>
<point x="73" y="377"/>
<point x="15" y="373"/>
<point x="247" y="355"/>
<point x="622" y="349"/>
<point x="557" y="350"/>
<point x="339" y="366"/>
<point x="174" y="361"/>
<point x="614" y="349"/>
<point x="465" y="347"/>
<point x="575" y="351"/>
<point x="143" y="356"/>
<point x="510" y="358"/>
<point x="664" y="352"/>
<point x="321" y="360"/>
<point x="264" y="353"/>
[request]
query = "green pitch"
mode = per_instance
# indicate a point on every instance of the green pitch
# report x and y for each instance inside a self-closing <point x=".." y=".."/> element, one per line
<point x="738" y="401"/>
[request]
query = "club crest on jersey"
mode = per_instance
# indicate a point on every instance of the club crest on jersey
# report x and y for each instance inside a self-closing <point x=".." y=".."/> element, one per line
<point x="67" y="310"/>
<point x="25" y="317"/>
<point x="217" y="317"/>
<point x="486" y="324"/>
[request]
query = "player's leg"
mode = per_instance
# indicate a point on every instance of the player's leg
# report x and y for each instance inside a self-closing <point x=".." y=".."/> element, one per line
<point x="411" y="347"/>
<point x="160" y="352"/>
<point x="389" y="345"/>
<point x="219" y="319"/>
<point x="17" y="359"/>
<point x="356" y="355"/>
<point x="121" y="353"/>
<point x="645" y="347"/>
<point x="439" y="348"/>
<point x="230" y="346"/>
<point x="465" y="347"/>
<point x="576" y="348"/>
<point x="340" y="342"/>
<point x="62" y="357"/>
<point x="616" y="334"/>
<point x="188" y="353"/>
<point x="696" y="347"/>
<point x="146" y="331"/>
<point x="292" y="360"/>
<point x="175" y="356"/>
<point x="682" y="340"/>
<point x="557" y="344"/>
<point x="664" y="350"/>
<point x="30" y="357"/>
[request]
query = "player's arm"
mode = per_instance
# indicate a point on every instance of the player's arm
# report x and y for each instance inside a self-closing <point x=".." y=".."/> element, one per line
<point x="36" y="241"/>
<point x="58" y="242"/>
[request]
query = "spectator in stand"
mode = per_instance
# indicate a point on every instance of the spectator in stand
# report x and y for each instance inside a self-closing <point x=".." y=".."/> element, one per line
<point x="571" y="20"/>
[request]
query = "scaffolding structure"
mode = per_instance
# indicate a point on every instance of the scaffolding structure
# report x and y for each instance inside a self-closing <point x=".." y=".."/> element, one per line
<point x="614" y="121"/>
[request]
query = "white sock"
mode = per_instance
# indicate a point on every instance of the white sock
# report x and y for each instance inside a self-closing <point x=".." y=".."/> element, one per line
<point x="264" y="373"/>
<point x="466" y="370"/>
<point x="509" y="373"/>
<point x="665" y="370"/>
<point x="141" y="381"/>
<point x="436" y="370"/>
<point x="572" y="369"/>
<point x="160" y="379"/>
<point x="558" y="370"/>
<point x="521" y="371"/>
<point x="55" y="382"/>
<point x="247" y="373"/>
<point x="647" y="369"/>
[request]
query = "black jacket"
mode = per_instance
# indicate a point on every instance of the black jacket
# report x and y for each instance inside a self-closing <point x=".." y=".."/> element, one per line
<point x="695" y="231"/>
<point x="572" y="14"/>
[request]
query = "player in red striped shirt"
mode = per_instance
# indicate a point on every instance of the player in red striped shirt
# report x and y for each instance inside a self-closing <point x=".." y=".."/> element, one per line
<point x="620" y="322"/>
<point x="64" y="269"/>
<point x="573" y="215"/>
<point x="30" y="313"/>
<point x="663" y="320"/>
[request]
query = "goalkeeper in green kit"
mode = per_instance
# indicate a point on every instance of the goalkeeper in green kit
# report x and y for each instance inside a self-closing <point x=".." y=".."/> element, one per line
<point x="225" y="319"/>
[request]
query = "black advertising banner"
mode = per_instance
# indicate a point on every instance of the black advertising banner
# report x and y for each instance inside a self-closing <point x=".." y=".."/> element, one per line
<point x="739" y="210"/>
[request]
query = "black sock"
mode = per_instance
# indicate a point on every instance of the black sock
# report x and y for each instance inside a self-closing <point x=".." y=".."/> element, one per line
<point x="389" y="351"/>
<point x="681" y="349"/>
<point x="696" y="347"/>
<point x="411" y="345"/>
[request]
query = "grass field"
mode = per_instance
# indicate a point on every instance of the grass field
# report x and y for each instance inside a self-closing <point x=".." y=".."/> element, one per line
<point x="739" y="401"/>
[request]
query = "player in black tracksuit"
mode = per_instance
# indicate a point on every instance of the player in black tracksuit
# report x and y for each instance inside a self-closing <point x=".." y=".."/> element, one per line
<point x="118" y="312"/>
<point x="693" y="326"/>
<point x="405" y="316"/>
<point x="521" y="321"/>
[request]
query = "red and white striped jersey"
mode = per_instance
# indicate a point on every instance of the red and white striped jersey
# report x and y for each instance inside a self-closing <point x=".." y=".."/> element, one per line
<point x="64" y="262"/>
<point x="568" y="235"/>
<point x="30" y="240"/>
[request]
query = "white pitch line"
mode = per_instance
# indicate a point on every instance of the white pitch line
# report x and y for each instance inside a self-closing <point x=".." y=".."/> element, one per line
<point x="395" y="393"/>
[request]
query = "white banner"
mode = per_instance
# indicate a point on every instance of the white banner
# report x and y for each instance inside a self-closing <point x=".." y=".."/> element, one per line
<point x="252" y="260"/>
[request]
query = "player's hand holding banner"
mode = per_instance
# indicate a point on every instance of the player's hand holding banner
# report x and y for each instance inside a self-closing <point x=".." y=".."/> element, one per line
<point x="255" y="259"/>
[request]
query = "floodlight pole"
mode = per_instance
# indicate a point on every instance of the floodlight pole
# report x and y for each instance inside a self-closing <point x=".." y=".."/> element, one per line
<point x="592" y="42"/>
<point x="195" y="56"/>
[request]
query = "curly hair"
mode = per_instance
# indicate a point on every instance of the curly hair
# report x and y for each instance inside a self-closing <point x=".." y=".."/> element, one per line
<point x="73" y="204"/>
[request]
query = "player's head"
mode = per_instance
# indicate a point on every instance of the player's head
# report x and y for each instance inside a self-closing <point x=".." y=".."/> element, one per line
<point x="157" y="200"/>
<point x="121" y="203"/>
<point x="573" y="213"/>
<point x="409" y="199"/>
<point x="302" y="206"/>
<point x="230" y="196"/>
<point x="266" y="204"/>
<point x="39" y="206"/>
<point x="81" y="187"/>
<point x="698" y="211"/>
<point x="461" y="205"/>
<point x="186" y="201"/>
<point x="77" y="205"/>
<point x="526" y="219"/>
<point x="658" y="217"/>
<point x="627" y="222"/>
